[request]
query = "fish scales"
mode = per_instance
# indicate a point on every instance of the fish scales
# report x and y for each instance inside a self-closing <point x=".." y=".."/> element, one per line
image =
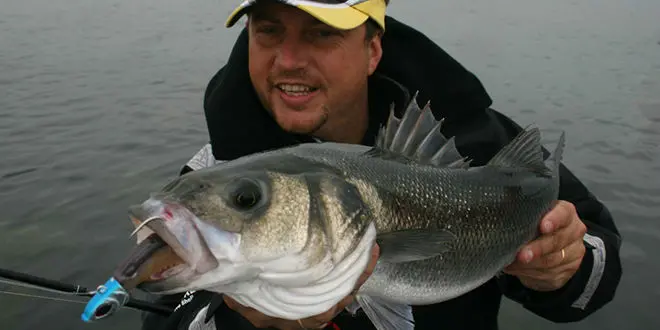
<point x="289" y="231"/>
<point x="489" y="220"/>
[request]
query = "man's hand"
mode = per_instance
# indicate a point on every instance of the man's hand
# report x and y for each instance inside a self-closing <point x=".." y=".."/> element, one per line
<point x="260" y="320"/>
<point x="547" y="263"/>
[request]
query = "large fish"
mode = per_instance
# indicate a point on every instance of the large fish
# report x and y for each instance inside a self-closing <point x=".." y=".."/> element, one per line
<point x="289" y="231"/>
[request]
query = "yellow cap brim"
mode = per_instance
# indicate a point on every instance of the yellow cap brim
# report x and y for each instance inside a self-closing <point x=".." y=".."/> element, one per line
<point x="343" y="18"/>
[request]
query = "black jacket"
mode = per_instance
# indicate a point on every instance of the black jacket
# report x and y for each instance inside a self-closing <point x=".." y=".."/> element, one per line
<point x="238" y="125"/>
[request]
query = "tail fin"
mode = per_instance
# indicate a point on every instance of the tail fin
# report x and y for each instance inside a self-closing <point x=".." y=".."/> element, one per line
<point x="554" y="160"/>
<point x="524" y="151"/>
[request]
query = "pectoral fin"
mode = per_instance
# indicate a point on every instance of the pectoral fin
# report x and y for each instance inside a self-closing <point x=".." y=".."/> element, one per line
<point x="414" y="245"/>
<point x="385" y="315"/>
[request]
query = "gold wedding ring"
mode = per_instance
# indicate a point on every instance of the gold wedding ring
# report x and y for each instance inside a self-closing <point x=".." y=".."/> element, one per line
<point x="563" y="254"/>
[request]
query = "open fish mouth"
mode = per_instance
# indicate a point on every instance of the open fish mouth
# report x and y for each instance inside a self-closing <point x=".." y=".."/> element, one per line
<point x="169" y="243"/>
<point x="150" y="262"/>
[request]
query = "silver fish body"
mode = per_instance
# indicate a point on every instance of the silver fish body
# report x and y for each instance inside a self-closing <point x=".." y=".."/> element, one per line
<point x="473" y="220"/>
<point x="289" y="231"/>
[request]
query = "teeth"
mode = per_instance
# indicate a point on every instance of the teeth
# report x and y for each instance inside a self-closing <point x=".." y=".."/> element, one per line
<point x="295" y="89"/>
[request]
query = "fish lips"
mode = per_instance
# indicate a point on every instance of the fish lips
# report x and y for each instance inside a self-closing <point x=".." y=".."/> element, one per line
<point x="176" y="227"/>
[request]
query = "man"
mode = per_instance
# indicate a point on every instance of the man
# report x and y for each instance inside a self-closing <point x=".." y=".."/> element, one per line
<point x="323" y="70"/>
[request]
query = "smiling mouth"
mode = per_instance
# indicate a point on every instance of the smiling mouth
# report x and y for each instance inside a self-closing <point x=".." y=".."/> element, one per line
<point x="296" y="89"/>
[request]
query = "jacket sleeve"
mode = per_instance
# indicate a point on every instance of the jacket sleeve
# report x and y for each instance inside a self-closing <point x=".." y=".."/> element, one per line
<point x="597" y="279"/>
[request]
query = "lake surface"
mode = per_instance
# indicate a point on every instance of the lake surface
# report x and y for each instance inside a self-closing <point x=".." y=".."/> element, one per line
<point x="101" y="103"/>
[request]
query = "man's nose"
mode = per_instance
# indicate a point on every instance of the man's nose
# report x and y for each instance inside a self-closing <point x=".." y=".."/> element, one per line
<point x="291" y="53"/>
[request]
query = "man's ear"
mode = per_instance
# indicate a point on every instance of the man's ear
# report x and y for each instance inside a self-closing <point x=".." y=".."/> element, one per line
<point x="375" y="52"/>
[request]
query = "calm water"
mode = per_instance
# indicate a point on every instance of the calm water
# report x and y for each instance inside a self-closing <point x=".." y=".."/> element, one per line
<point x="100" y="103"/>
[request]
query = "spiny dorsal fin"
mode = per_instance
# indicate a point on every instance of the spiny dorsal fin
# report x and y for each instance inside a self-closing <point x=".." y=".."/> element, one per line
<point x="408" y="125"/>
<point x="524" y="151"/>
<point x="390" y="130"/>
<point x="417" y="136"/>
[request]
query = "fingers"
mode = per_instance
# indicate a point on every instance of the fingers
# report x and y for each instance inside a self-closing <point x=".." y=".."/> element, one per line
<point x="540" y="265"/>
<point x="555" y="259"/>
<point x="554" y="242"/>
<point x="542" y="246"/>
<point x="559" y="217"/>
<point x="547" y="246"/>
<point x="549" y="263"/>
<point x="549" y="280"/>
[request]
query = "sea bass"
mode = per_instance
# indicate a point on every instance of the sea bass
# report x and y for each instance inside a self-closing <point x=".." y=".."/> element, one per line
<point x="289" y="231"/>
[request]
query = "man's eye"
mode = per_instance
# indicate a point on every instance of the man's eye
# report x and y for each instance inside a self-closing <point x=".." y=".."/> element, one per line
<point x="327" y="33"/>
<point x="267" y="29"/>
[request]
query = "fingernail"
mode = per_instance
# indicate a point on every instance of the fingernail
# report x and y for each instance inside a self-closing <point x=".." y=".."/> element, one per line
<point x="547" y="226"/>
<point x="528" y="255"/>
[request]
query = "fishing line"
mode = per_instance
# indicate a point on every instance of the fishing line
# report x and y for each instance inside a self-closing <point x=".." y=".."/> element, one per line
<point x="41" y="297"/>
<point x="39" y="283"/>
<point x="79" y="292"/>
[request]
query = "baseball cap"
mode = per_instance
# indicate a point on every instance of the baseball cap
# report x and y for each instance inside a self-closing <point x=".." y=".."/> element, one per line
<point x="340" y="14"/>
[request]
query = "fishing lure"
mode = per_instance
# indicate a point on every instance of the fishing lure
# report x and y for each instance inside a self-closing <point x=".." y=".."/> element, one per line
<point x="108" y="298"/>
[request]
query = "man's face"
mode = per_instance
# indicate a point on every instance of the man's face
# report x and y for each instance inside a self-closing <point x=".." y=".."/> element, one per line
<point x="309" y="75"/>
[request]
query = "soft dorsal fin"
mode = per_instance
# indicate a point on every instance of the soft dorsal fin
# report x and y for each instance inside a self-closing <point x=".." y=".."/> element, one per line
<point x="417" y="136"/>
<point x="524" y="151"/>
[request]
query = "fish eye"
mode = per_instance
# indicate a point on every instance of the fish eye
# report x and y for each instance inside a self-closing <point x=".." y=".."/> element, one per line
<point x="246" y="194"/>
